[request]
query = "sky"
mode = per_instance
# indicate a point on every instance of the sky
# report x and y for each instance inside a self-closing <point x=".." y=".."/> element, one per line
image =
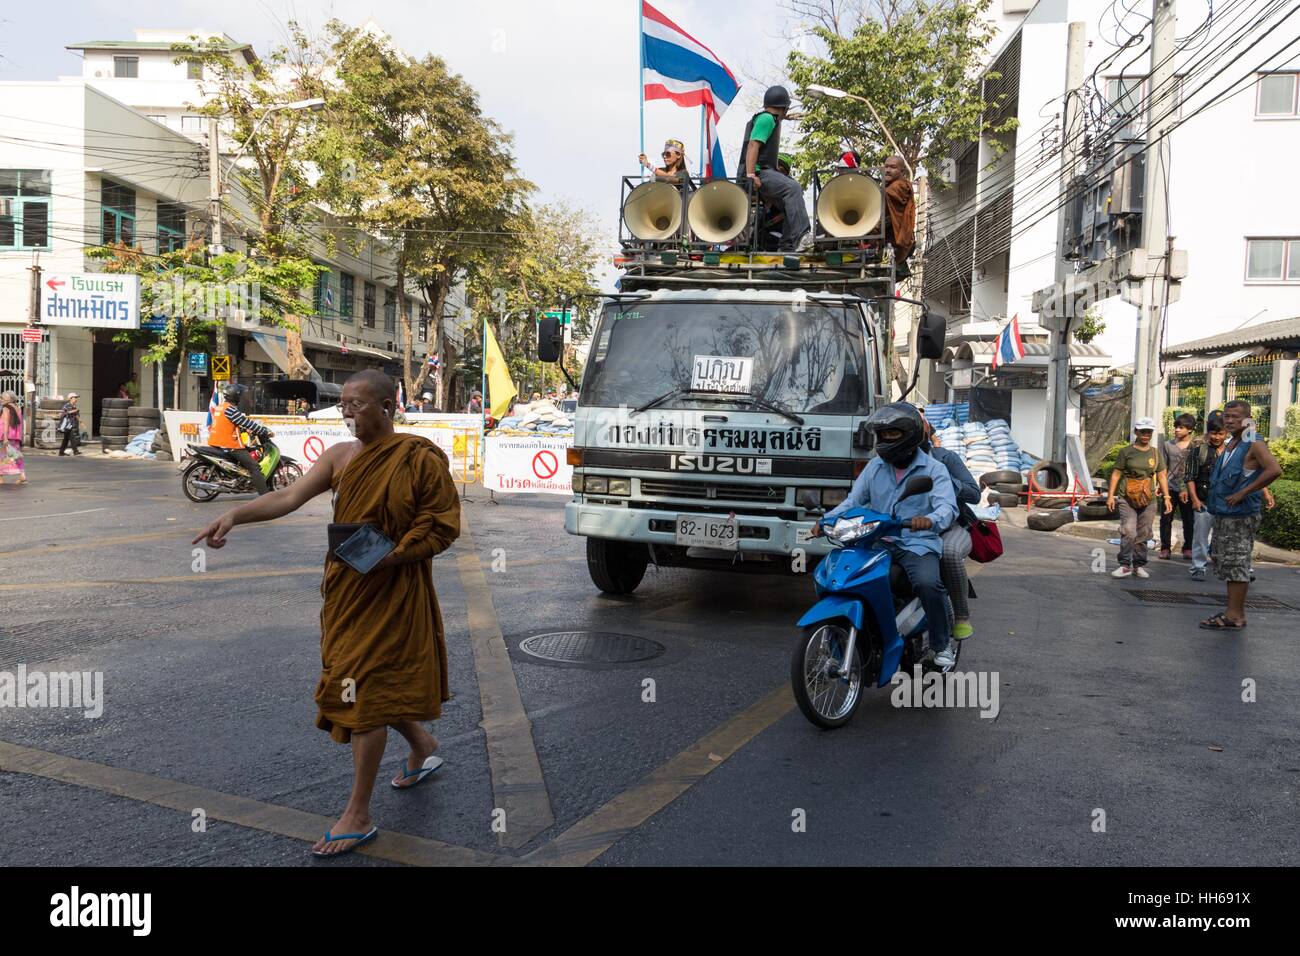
<point x="560" y="75"/>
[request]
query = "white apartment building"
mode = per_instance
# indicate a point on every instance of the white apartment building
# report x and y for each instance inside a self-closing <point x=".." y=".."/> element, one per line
<point x="1234" y="201"/>
<point x="111" y="156"/>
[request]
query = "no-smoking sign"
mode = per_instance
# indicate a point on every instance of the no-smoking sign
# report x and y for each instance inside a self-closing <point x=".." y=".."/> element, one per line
<point x="545" y="464"/>
<point x="313" y="448"/>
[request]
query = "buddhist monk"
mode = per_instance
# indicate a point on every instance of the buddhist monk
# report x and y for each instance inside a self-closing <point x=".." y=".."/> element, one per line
<point x="901" y="208"/>
<point x="383" y="657"/>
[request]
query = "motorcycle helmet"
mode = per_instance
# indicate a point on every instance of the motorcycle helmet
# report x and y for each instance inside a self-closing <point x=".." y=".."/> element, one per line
<point x="234" y="393"/>
<point x="776" y="96"/>
<point x="906" y="419"/>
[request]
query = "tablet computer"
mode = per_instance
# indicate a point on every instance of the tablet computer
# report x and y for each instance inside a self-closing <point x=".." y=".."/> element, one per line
<point x="364" y="549"/>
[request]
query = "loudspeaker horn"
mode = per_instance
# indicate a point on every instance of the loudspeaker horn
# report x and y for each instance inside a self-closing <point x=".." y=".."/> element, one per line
<point x="849" y="206"/>
<point x="718" y="212"/>
<point x="653" y="211"/>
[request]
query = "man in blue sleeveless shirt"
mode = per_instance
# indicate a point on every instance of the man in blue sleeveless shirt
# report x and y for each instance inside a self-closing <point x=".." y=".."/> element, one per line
<point x="1241" y="472"/>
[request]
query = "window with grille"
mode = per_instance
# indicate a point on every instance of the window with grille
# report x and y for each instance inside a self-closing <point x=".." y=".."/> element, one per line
<point x="171" y="227"/>
<point x="347" y="294"/>
<point x="369" y="305"/>
<point x="24" y="209"/>
<point x="117" y="213"/>
<point x="390" y="312"/>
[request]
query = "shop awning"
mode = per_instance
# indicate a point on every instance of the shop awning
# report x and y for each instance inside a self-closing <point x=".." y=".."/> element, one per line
<point x="277" y="349"/>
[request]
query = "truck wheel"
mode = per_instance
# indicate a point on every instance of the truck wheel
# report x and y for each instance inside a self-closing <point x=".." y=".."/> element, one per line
<point x="615" y="567"/>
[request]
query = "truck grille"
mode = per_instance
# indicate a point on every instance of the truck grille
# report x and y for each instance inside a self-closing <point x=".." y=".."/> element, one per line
<point x="709" y="491"/>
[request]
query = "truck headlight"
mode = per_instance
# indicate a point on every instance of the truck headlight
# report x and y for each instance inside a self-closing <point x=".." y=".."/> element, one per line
<point x="577" y="484"/>
<point x="833" y="496"/>
<point x="620" y="486"/>
<point x="595" y="485"/>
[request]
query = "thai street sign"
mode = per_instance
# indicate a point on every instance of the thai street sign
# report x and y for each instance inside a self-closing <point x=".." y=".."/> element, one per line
<point x="91" y="300"/>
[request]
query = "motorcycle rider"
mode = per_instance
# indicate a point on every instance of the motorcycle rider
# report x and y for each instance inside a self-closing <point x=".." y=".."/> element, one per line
<point x="956" y="540"/>
<point x="900" y="432"/>
<point x="227" y="423"/>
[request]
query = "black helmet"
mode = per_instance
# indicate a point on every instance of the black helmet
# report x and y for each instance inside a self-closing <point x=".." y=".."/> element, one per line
<point x="905" y="418"/>
<point x="776" y="96"/>
<point x="234" y="393"/>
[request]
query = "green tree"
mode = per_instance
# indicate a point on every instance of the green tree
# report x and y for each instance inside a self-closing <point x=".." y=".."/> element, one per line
<point x="189" y="289"/>
<point x="249" y="100"/>
<point x="917" y="64"/>
<point x="1089" y="328"/>
<point x="407" y="153"/>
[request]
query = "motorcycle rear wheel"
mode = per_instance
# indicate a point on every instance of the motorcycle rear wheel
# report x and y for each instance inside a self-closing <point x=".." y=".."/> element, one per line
<point x="826" y="701"/>
<point x="198" y="471"/>
<point x="284" y="476"/>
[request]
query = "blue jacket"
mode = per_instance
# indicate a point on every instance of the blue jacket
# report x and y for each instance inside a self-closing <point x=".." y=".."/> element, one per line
<point x="878" y="489"/>
<point x="967" y="488"/>
<point x="1227" y="478"/>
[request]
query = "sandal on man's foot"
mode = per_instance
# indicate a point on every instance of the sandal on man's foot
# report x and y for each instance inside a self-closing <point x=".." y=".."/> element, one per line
<point x="361" y="838"/>
<point x="420" y="773"/>
<point x="1221" y="622"/>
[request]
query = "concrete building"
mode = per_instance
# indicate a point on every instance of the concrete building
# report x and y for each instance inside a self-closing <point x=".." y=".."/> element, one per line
<point x="118" y="155"/>
<point x="1234" y="201"/>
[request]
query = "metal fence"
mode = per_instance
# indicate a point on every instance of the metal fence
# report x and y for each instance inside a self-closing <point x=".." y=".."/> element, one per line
<point x="1187" y="389"/>
<point x="1251" y="383"/>
<point x="11" y="364"/>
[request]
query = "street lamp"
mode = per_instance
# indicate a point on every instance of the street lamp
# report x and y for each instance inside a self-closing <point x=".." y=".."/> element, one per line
<point x="817" y="91"/>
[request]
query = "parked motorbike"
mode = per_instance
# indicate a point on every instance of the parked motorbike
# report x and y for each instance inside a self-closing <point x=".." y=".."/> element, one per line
<point x="867" y="624"/>
<point x="214" y="472"/>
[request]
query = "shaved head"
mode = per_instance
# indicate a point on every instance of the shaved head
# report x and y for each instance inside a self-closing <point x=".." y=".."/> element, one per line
<point x="375" y="383"/>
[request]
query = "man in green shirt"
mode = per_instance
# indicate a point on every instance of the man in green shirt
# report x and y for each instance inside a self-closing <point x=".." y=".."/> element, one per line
<point x="1138" y="473"/>
<point x="761" y="155"/>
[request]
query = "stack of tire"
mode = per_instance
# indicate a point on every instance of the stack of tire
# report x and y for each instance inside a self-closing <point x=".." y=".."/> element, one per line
<point x="1006" y="484"/>
<point x="114" y="423"/>
<point x="48" y="414"/>
<point x="141" y="419"/>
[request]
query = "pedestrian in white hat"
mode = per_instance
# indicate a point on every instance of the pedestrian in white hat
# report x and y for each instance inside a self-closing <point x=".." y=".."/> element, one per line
<point x="1141" y="468"/>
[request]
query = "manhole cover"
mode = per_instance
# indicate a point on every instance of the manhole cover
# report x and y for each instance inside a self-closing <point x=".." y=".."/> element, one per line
<point x="1256" y="602"/>
<point x="591" y="647"/>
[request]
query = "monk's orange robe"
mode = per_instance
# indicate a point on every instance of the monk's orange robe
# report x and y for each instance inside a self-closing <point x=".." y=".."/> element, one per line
<point x="383" y="630"/>
<point x="901" y="208"/>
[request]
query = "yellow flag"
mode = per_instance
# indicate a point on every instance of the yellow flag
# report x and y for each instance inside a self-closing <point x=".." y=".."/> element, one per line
<point x="501" y="390"/>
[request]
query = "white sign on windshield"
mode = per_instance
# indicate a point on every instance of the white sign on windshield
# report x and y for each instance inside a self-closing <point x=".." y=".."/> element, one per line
<point x="722" y="373"/>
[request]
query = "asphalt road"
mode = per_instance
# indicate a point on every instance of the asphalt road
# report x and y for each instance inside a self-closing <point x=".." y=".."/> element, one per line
<point x="205" y="752"/>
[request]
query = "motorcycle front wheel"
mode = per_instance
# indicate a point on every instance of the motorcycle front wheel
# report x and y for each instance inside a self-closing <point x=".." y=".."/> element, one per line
<point x="827" y="699"/>
<point x="198" y="471"/>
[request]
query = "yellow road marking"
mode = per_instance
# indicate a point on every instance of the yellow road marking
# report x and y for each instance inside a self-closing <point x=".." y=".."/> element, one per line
<point x="241" y="811"/>
<point x="597" y="832"/>
<point x="518" y="785"/>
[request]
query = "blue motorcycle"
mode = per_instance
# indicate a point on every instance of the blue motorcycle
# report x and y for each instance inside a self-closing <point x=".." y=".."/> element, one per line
<point x="866" y="626"/>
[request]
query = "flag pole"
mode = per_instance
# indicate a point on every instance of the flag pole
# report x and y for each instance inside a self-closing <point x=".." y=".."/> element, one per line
<point x="703" y="136"/>
<point x="483" y="403"/>
<point x="640" y="71"/>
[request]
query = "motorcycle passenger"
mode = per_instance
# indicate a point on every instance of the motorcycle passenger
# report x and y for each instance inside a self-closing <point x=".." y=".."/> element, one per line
<point x="227" y="423"/>
<point x="956" y="540"/>
<point x="900" y="432"/>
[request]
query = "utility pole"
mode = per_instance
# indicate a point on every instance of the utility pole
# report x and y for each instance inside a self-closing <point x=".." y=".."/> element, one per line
<point x="214" y="215"/>
<point x="1156" y="290"/>
<point x="1057" y="321"/>
<point x="29" y="357"/>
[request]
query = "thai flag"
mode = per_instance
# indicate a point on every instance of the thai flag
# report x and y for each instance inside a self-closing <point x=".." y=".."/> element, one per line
<point x="676" y="66"/>
<point x="213" y="404"/>
<point x="1010" y="347"/>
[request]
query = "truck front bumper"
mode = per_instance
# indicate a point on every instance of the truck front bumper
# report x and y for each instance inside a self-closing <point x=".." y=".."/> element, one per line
<point x="758" y="533"/>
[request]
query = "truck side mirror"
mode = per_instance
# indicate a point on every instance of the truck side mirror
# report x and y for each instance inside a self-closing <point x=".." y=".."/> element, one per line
<point x="550" y="339"/>
<point x="930" y="334"/>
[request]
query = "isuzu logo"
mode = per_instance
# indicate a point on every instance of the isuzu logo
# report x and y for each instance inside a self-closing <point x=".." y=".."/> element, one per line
<point x="721" y="464"/>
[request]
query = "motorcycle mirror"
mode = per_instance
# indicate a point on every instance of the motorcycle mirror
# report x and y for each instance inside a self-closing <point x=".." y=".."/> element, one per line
<point x="918" y="485"/>
<point x="864" y="437"/>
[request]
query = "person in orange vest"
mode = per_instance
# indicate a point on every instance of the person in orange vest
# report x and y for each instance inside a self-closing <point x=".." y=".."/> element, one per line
<point x="227" y="423"/>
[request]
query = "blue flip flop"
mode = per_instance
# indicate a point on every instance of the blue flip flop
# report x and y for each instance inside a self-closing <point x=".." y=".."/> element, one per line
<point x="421" y="773"/>
<point x="361" y="838"/>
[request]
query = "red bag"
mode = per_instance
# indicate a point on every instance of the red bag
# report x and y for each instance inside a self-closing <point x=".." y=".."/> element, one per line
<point x="985" y="542"/>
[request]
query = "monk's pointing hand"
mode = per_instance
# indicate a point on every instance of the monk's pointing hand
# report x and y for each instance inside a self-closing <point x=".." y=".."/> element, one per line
<point x="216" y="532"/>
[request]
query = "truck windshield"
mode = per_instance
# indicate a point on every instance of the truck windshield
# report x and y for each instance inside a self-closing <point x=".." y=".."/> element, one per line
<point x="810" y="361"/>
